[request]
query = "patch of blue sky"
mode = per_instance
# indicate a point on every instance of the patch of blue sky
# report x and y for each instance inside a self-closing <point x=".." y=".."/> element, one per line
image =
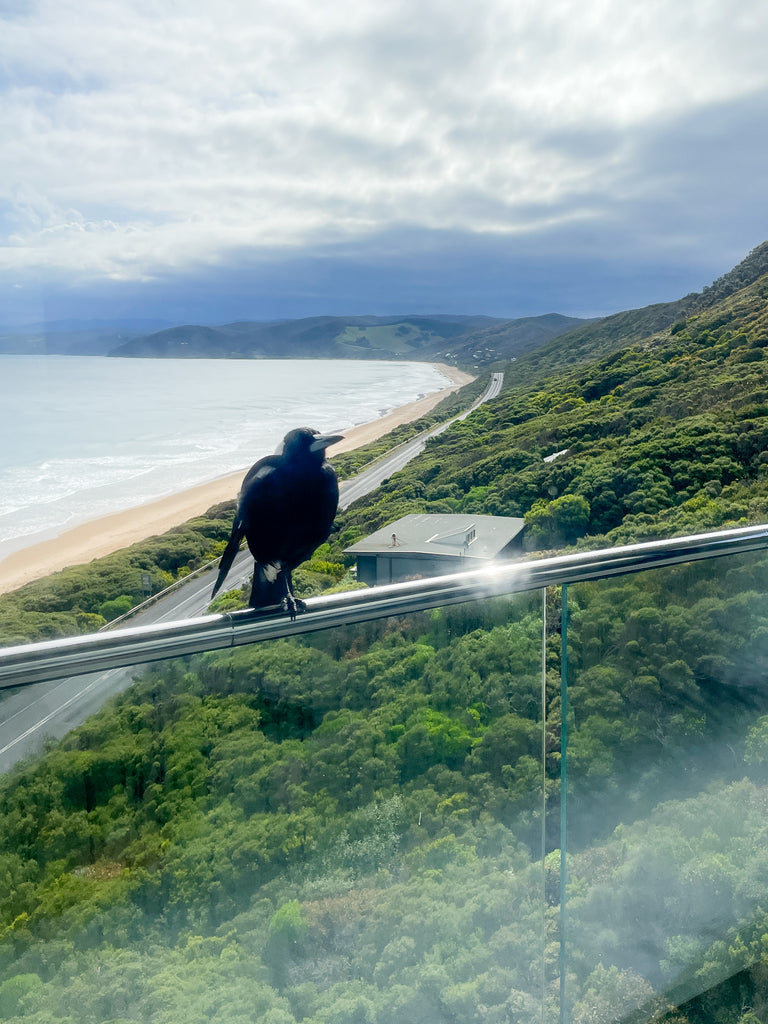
<point x="13" y="9"/>
<point x="51" y="82"/>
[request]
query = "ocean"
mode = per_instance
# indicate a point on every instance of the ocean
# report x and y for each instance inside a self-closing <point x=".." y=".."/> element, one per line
<point x="85" y="436"/>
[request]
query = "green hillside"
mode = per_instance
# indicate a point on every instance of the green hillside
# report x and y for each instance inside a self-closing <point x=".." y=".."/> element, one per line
<point x="348" y="827"/>
<point x="602" y="337"/>
<point x="664" y="433"/>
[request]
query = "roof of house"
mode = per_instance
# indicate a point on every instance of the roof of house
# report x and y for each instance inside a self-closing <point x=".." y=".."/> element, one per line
<point x="446" y="535"/>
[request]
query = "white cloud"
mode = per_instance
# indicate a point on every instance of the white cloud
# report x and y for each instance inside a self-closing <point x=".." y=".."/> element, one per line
<point x="139" y="136"/>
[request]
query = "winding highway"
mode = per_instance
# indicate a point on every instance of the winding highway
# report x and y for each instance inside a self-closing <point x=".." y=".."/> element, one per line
<point x="371" y="477"/>
<point x="31" y="715"/>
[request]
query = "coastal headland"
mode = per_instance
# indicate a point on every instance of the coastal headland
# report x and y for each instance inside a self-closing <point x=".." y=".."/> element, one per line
<point x="102" y="536"/>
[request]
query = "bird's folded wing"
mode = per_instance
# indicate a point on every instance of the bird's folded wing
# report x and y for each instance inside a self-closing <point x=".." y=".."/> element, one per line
<point x="256" y="475"/>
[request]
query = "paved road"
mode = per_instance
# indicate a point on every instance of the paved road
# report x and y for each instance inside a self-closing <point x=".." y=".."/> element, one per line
<point x="43" y="710"/>
<point x="370" y="478"/>
<point x="29" y="715"/>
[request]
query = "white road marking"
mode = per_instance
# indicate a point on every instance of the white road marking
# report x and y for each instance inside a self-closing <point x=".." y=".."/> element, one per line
<point x="57" y="711"/>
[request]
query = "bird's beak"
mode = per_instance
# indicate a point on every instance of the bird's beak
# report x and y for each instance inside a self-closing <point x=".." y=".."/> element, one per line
<point x="323" y="441"/>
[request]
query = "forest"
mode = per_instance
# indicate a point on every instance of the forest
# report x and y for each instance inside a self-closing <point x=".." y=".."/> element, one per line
<point x="363" y="825"/>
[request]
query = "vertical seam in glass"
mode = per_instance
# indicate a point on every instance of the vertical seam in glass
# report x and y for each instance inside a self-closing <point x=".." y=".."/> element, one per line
<point x="543" y="804"/>
<point x="563" y="790"/>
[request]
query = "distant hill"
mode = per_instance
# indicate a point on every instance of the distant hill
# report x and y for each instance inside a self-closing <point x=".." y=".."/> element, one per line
<point x="462" y="338"/>
<point x="538" y="345"/>
<point x="511" y="339"/>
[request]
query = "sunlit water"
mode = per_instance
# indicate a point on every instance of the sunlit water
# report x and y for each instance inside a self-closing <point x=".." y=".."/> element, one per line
<point x="86" y="436"/>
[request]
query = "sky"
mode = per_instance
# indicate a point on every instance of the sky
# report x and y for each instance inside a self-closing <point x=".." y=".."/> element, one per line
<point x="190" y="161"/>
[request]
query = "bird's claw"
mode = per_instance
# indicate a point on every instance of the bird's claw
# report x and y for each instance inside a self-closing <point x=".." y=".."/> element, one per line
<point x="293" y="605"/>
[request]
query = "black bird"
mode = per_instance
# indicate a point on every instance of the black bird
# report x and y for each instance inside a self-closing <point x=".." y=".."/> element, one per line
<point x="285" y="510"/>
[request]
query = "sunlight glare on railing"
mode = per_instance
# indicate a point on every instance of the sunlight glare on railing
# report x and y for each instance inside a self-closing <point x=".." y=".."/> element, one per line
<point x="31" y="663"/>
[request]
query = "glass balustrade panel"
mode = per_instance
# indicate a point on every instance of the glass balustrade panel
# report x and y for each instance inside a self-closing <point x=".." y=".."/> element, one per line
<point x="666" y="889"/>
<point x="344" y="826"/>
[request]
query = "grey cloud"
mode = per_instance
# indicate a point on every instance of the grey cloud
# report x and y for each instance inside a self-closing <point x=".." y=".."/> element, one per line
<point x="181" y="138"/>
<point x="572" y="269"/>
<point x="696" y="183"/>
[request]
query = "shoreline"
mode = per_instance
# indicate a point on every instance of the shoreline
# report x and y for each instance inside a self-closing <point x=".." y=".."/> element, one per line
<point x="103" y="536"/>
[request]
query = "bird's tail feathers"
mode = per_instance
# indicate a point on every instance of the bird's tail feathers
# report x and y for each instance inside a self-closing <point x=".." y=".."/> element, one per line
<point x="230" y="552"/>
<point x="268" y="585"/>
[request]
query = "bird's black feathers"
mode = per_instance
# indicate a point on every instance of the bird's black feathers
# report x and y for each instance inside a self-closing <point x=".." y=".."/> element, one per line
<point x="285" y="509"/>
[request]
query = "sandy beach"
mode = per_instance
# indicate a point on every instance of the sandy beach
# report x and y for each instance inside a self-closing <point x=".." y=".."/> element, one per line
<point x="103" y="536"/>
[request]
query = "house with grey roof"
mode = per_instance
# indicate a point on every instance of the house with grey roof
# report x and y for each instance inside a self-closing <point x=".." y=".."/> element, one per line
<point x="432" y="545"/>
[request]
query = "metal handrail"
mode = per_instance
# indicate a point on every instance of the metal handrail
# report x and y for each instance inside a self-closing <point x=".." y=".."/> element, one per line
<point x="55" y="659"/>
